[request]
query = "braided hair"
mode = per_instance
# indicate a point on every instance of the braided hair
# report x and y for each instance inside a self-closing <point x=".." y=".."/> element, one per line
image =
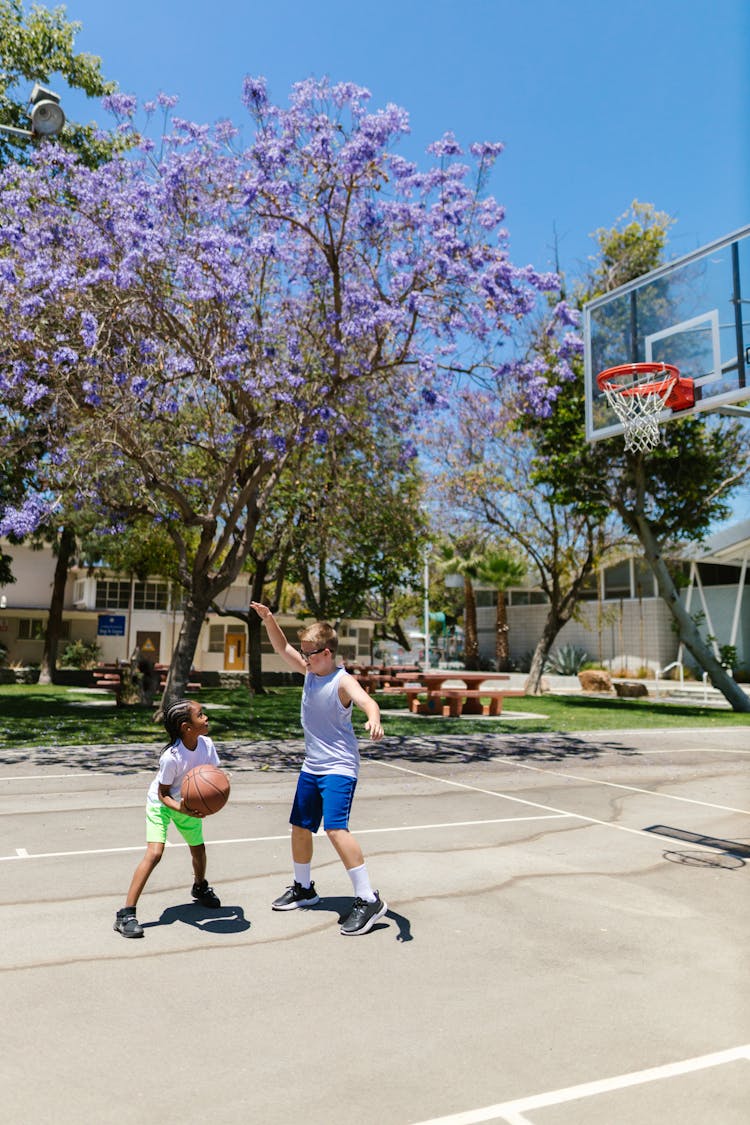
<point x="177" y="714"/>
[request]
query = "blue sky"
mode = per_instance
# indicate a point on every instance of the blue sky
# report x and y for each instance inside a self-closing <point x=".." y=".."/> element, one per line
<point x="597" y="104"/>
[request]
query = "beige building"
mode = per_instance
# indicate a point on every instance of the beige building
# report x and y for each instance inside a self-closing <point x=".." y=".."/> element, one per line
<point x="123" y="615"/>
<point x="622" y="621"/>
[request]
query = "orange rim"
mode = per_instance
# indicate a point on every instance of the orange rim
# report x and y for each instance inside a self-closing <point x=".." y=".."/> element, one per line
<point x="607" y="380"/>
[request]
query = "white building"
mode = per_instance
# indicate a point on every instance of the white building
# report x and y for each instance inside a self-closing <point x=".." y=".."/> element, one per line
<point x="623" y="622"/>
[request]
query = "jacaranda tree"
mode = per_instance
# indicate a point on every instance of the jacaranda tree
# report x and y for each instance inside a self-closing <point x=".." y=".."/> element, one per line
<point x="181" y="319"/>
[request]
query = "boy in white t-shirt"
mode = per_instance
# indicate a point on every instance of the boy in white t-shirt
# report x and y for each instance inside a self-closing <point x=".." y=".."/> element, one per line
<point x="328" y="777"/>
<point x="189" y="746"/>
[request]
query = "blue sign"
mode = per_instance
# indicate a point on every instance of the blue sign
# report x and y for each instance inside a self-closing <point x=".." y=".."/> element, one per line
<point x="111" y="625"/>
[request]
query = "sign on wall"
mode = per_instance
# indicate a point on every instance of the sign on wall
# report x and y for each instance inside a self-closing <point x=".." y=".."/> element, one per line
<point x="111" y="625"/>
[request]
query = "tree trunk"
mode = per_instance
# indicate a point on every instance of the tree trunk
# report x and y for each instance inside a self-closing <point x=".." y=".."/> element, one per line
<point x="65" y="549"/>
<point x="471" y="640"/>
<point x="178" y="676"/>
<point x="688" y="630"/>
<point x="255" y="629"/>
<point x="502" y="649"/>
<point x="552" y="627"/>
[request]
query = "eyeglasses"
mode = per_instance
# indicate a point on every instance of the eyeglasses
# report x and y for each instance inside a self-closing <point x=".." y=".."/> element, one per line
<point x="306" y="655"/>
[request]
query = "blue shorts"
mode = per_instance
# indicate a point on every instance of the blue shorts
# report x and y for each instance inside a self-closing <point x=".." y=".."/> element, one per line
<point x="323" y="797"/>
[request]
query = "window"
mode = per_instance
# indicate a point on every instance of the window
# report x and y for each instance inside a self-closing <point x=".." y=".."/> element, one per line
<point x="150" y="595"/>
<point x="32" y="628"/>
<point x="112" y="595"/>
<point x="527" y="597"/>
<point x="645" y="583"/>
<point x="715" y="574"/>
<point x="485" y="598"/>
<point x="617" y="581"/>
<point x="216" y="638"/>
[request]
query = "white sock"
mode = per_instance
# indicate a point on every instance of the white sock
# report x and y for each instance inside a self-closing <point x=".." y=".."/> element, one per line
<point x="361" y="883"/>
<point x="302" y="874"/>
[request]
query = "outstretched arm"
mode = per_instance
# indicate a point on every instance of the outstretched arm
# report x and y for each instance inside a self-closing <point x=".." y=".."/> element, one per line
<point x="279" y="642"/>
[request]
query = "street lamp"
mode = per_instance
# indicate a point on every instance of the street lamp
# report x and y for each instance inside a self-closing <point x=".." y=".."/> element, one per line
<point x="47" y="118"/>
<point x="427" y="607"/>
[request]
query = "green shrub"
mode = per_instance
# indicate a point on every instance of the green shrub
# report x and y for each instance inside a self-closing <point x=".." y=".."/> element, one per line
<point x="80" y="654"/>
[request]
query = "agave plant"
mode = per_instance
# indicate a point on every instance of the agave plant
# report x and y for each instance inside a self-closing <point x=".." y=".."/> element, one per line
<point x="566" y="660"/>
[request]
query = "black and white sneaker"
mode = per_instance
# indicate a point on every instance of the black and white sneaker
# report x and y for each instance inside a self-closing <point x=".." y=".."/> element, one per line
<point x="127" y="924"/>
<point x="363" y="916"/>
<point x="295" y="896"/>
<point x="205" y="895"/>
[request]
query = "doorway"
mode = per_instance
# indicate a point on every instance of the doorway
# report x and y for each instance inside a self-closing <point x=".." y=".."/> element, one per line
<point x="235" y="648"/>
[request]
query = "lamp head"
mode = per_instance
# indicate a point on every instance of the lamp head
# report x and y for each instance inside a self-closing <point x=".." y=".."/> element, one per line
<point x="47" y="118"/>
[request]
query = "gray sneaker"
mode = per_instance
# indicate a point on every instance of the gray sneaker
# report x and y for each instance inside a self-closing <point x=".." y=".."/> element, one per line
<point x="127" y="924"/>
<point x="363" y="916"/>
<point x="295" y="896"/>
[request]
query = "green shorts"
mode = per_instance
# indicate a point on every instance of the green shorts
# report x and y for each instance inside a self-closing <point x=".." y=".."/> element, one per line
<point x="158" y="818"/>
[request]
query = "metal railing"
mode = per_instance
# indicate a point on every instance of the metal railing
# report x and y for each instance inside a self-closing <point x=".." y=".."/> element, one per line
<point x="678" y="664"/>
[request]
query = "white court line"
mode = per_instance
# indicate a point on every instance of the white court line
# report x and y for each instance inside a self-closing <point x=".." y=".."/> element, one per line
<point x="696" y="750"/>
<point x="616" y="785"/>
<point x="70" y="774"/>
<point x="511" y="1111"/>
<point x="22" y="853"/>
<point x="537" y="805"/>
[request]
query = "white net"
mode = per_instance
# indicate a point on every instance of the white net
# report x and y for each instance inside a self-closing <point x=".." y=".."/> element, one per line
<point x="639" y="410"/>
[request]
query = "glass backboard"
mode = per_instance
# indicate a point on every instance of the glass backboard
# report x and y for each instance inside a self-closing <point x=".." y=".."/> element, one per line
<point x="690" y="313"/>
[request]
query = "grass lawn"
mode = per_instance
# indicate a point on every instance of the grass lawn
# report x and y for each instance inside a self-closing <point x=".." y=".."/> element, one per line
<point x="56" y="716"/>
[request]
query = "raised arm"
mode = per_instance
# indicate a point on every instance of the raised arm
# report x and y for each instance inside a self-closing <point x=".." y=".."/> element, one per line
<point x="280" y="644"/>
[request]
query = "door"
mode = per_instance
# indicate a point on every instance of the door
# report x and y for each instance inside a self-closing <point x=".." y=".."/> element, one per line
<point x="235" y="647"/>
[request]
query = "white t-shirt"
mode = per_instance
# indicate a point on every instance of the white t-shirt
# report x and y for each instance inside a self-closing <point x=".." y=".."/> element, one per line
<point x="176" y="761"/>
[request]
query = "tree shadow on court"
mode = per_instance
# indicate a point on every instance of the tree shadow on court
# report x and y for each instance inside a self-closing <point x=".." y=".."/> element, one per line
<point x="224" y="920"/>
<point x="483" y="748"/>
<point x="285" y="756"/>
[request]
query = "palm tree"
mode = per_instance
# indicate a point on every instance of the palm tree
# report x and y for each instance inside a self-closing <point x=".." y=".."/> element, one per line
<point x="463" y="555"/>
<point x="501" y="569"/>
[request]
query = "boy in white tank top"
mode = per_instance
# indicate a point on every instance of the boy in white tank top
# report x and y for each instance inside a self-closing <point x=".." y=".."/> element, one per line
<point x="328" y="777"/>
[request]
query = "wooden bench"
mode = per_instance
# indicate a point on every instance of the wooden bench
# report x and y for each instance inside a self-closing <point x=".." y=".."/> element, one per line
<point x="111" y="681"/>
<point x="456" y="697"/>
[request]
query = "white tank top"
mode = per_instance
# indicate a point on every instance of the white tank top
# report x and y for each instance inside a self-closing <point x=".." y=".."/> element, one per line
<point x="330" y="742"/>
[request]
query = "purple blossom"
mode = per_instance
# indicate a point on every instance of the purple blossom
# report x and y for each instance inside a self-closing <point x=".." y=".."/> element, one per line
<point x="64" y="355"/>
<point x="122" y="105"/>
<point x="254" y="93"/>
<point x="23" y="521"/>
<point x="89" y="329"/>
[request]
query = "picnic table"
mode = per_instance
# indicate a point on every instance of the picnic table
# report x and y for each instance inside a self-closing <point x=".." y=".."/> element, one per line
<point x="454" y="692"/>
<point x="379" y="676"/>
<point x="109" y="676"/>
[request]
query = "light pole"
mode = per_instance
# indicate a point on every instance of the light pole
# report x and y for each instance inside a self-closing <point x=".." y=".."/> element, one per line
<point x="427" y="609"/>
<point x="47" y="118"/>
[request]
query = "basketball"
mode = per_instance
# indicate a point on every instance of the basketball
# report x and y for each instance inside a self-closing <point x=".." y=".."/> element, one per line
<point x="205" y="789"/>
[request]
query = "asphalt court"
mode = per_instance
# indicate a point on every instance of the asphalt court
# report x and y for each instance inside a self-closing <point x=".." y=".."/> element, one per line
<point x="566" y="941"/>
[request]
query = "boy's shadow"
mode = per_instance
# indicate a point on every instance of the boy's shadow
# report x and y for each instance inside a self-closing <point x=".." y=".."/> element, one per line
<point x="224" y="920"/>
<point x="342" y="906"/>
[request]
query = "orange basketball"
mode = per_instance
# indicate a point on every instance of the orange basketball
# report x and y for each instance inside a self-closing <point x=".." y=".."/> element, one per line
<point x="205" y="789"/>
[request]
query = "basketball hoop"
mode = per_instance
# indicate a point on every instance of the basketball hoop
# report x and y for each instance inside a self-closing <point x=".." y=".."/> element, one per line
<point x="638" y="392"/>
